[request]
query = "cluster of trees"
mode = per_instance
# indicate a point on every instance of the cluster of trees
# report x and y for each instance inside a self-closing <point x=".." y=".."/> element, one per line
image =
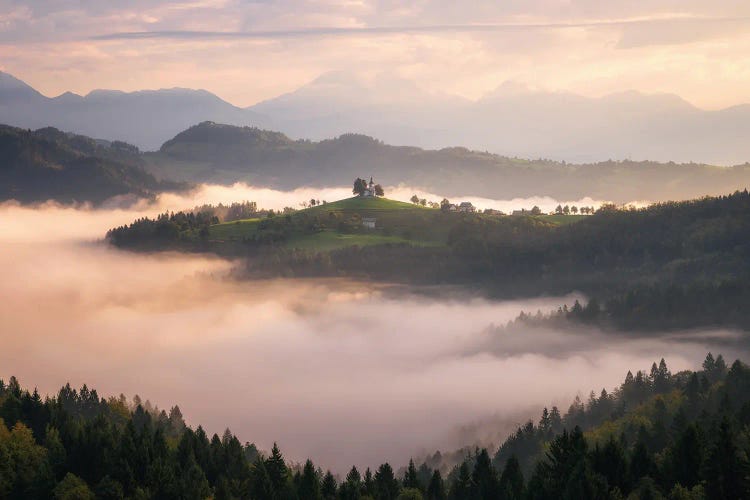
<point x="680" y="436"/>
<point x="572" y="209"/>
<point x="360" y="186"/>
<point x="424" y="202"/>
<point x="233" y="211"/>
<point x="312" y="203"/>
<point x="164" y="230"/>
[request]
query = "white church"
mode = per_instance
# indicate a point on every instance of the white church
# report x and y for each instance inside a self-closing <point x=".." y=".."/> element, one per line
<point x="369" y="190"/>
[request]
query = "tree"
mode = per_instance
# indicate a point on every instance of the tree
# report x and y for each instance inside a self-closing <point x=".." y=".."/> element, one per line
<point x="309" y="486"/>
<point x="559" y="210"/>
<point x="566" y="210"/>
<point x="329" y="487"/>
<point x="276" y="468"/>
<point x="360" y="186"/>
<point x="73" y="487"/>
<point x="436" y="488"/>
<point x="351" y="488"/>
<point x="726" y="474"/>
<point x="462" y="486"/>
<point x="410" y="477"/>
<point x="414" y="199"/>
<point x="368" y="483"/>
<point x="261" y="486"/>
<point x="535" y="210"/>
<point x="410" y="494"/>
<point x="109" y="489"/>
<point x="574" y="209"/>
<point x="511" y="480"/>
<point x="484" y="478"/>
<point x="445" y="204"/>
<point x="379" y="190"/>
<point x="386" y="485"/>
<point x="687" y="457"/>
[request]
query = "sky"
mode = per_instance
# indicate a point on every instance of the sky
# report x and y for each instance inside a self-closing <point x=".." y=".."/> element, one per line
<point x="246" y="51"/>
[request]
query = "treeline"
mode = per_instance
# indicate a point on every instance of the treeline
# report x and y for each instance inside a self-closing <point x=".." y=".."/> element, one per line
<point x="164" y="231"/>
<point x="659" y="435"/>
<point x="655" y="307"/>
<point x="233" y="211"/>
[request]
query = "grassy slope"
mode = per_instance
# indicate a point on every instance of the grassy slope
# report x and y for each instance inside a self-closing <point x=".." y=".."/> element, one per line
<point x="561" y="220"/>
<point x="397" y="222"/>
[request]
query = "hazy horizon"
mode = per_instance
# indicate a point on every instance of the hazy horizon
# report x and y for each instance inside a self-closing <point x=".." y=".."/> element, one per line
<point x="247" y="52"/>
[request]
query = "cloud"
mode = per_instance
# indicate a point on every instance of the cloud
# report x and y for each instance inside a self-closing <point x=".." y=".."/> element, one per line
<point x="685" y="25"/>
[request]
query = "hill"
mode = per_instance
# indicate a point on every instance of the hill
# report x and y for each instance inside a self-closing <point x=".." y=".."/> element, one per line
<point x="320" y="228"/>
<point x="145" y="118"/>
<point x="211" y="152"/>
<point x="51" y="165"/>
<point x="664" y="267"/>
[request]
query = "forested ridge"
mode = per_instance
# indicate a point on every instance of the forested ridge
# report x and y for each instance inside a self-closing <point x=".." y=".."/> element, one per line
<point x="659" y="435"/>
<point x="48" y="164"/>
<point x="219" y="153"/>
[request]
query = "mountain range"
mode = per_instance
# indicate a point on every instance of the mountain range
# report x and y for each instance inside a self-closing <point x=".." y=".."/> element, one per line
<point x="145" y="118"/>
<point x="512" y="121"/>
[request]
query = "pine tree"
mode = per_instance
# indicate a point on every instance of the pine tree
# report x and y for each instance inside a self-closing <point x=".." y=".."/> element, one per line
<point x="351" y="488"/>
<point x="309" y="485"/>
<point x="386" y="485"/>
<point x="410" y="477"/>
<point x="436" y="488"/>
<point x="640" y="462"/>
<point x="511" y="480"/>
<point x="462" y="486"/>
<point x="726" y="474"/>
<point x="276" y="468"/>
<point x="484" y="478"/>
<point x="328" y="488"/>
<point x="611" y="463"/>
<point x="261" y="487"/>
<point x="687" y="457"/>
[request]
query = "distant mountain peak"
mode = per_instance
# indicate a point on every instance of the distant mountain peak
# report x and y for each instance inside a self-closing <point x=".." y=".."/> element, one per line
<point x="10" y="86"/>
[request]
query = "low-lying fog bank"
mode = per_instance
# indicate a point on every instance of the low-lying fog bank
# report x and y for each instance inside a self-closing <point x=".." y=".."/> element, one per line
<point x="120" y="210"/>
<point x="346" y="373"/>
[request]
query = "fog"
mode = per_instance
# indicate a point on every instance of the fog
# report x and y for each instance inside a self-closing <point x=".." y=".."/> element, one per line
<point x="275" y="199"/>
<point x="342" y="372"/>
